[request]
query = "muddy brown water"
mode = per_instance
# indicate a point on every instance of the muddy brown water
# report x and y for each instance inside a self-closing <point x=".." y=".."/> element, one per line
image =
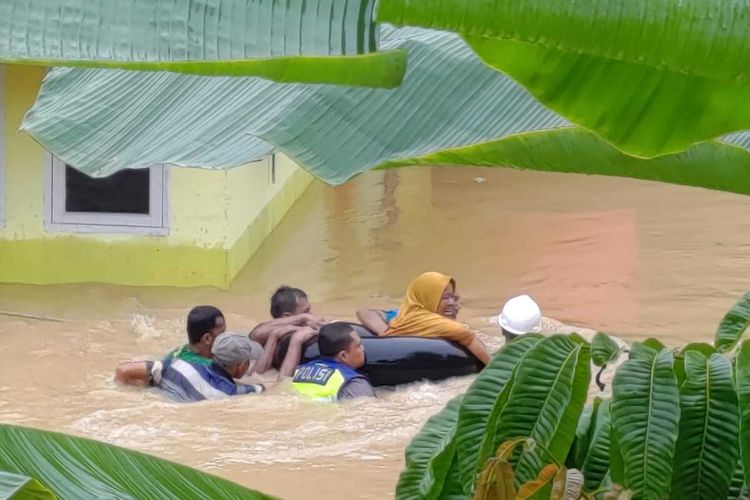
<point x="632" y="258"/>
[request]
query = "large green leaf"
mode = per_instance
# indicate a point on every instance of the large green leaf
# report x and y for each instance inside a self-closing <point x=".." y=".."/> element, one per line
<point x="707" y="446"/>
<point x="581" y="443"/>
<point x="547" y="396"/>
<point x="650" y="76"/>
<point x="737" y="488"/>
<point x="712" y="165"/>
<point x="742" y="381"/>
<point x="645" y="419"/>
<point x="616" y="460"/>
<point x="102" y="121"/>
<point x="430" y="455"/>
<point x="74" y="467"/>
<point x="480" y="408"/>
<point x="385" y="69"/>
<point x="679" y="358"/>
<point x="311" y="41"/>
<point x="595" y="463"/>
<point x="733" y="325"/>
<point x="603" y="349"/>
<point x="452" y="489"/>
<point x="16" y="486"/>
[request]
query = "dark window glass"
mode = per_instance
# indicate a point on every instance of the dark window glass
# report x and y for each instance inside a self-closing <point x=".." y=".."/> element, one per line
<point x="126" y="192"/>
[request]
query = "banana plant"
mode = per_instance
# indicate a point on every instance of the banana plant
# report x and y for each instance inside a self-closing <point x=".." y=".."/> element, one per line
<point x="311" y="41"/>
<point x="450" y="109"/>
<point x="45" y="465"/>
<point x="651" y="77"/>
<point x="676" y="426"/>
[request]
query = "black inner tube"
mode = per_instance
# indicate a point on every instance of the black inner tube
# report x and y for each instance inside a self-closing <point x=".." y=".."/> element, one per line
<point x="399" y="360"/>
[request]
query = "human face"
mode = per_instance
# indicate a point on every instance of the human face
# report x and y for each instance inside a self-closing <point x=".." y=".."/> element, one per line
<point x="449" y="305"/>
<point x="355" y="355"/>
<point x="302" y="307"/>
<point x="220" y="326"/>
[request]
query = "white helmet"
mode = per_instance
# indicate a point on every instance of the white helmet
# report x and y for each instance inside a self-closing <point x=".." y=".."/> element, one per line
<point x="520" y="315"/>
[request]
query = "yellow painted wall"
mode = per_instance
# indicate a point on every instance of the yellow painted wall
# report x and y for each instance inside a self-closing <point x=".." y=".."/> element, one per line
<point x="217" y="218"/>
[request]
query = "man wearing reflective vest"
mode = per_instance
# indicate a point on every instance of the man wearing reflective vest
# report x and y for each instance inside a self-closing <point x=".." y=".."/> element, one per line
<point x="334" y="376"/>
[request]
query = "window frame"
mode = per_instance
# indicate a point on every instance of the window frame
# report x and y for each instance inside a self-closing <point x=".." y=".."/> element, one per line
<point x="58" y="219"/>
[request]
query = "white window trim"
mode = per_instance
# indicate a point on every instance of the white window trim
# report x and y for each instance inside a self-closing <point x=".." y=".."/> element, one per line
<point x="3" y="196"/>
<point x="56" y="219"/>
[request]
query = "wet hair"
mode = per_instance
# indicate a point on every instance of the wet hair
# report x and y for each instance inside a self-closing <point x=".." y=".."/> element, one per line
<point x="201" y="320"/>
<point x="285" y="300"/>
<point x="334" y="338"/>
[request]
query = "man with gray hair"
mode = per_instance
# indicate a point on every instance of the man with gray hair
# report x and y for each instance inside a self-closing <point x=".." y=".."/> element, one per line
<point x="232" y="357"/>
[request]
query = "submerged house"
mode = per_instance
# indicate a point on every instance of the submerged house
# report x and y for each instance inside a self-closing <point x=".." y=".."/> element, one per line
<point x="162" y="225"/>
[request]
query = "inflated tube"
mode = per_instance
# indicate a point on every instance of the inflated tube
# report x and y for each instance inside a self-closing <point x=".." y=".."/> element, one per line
<point x="402" y="360"/>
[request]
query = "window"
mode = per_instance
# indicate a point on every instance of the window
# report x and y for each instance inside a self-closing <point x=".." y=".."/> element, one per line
<point x="128" y="201"/>
<point x="2" y="146"/>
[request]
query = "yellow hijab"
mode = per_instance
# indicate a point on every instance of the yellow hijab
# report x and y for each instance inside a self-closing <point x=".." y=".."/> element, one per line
<point x="418" y="313"/>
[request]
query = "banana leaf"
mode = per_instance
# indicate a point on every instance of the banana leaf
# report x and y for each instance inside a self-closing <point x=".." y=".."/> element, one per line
<point x="73" y="467"/>
<point x="480" y="409"/>
<point x="595" y="463"/>
<point x="652" y="77"/>
<point x="737" y="488"/>
<point x="497" y="480"/>
<point x="708" y="443"/>
<point x="540" y="487"/>
<point x="679" y="358"/>
<point x="733" y="325"/>
<point x="545" y="401"/>
<point x="581" y="442"/>
<point x="616" y="461"/>
<point x="573" y="485"/>
<point x="452" y="488"/>
<point x="430" y="456"/>
<point x="603" y="349"/>
<point x="450" y="110"/>
<point x="16" y="486"/>
<point x="311" y="41"/>
<point x="115" y="119"/>
<point x="742" y="381"/>
<point x="645" y="419"/>
<point x="712" y="165"/>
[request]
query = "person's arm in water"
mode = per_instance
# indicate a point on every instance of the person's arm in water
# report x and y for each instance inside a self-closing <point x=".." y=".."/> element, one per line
<point x="132" y="373"/>
<point x="373" y="319"/>
<point x="296" y="347"/>
<point x="262" y="332"/>
<point x="269" y="350"/>
<point x="477" y="348"/>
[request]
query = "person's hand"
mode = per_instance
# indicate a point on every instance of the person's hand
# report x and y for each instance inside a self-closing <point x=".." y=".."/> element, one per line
<point x="278" y="333"/>
<point x="304" y="334"/>
<point x="314" y="321"/>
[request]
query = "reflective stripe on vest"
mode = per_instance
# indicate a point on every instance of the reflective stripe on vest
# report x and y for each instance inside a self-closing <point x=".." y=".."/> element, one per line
<point x="322" y="379"/>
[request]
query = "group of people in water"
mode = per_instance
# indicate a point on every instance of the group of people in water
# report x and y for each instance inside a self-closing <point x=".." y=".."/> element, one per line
<point x="213" y="361"/>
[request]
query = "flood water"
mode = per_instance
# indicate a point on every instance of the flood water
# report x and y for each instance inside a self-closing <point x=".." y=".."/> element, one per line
<point x="628" y="257"/>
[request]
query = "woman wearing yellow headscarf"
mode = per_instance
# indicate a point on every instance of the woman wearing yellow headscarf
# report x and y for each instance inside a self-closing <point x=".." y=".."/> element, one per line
<point x="429" y="310"/>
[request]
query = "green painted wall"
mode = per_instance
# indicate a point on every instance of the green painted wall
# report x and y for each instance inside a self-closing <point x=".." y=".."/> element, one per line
<point x="217" y="218"/>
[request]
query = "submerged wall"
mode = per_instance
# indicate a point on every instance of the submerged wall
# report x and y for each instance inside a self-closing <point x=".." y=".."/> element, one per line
<point x="217" y="219"/>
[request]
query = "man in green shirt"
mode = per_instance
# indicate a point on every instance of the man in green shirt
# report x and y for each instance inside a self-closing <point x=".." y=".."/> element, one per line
<point x="204" y="324"/>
